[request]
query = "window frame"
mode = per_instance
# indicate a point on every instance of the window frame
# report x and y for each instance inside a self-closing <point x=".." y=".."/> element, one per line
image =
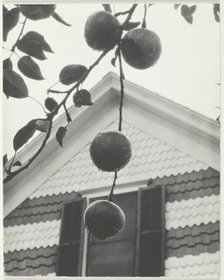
<point x="84" y="242"/>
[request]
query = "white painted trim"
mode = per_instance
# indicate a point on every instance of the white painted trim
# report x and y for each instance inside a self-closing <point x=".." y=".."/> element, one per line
<point x="182" y="128"/>
<point x="119" y="189"/>
<point x="85" y="248"/>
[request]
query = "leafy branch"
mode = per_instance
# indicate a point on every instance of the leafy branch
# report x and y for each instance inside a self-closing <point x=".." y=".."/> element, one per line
<point x="50" y="116"/>
<point x="34" y="45"/>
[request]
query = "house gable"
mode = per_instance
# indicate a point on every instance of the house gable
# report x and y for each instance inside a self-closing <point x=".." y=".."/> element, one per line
<point x="179" y="127"/>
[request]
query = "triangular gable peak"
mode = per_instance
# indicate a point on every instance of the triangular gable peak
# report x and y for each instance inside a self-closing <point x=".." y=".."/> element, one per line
<point x="151" y="158"/>
<point x="178" y="128"/>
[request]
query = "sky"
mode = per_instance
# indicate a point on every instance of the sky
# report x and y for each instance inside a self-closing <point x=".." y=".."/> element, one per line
<point x="188" y="71"/>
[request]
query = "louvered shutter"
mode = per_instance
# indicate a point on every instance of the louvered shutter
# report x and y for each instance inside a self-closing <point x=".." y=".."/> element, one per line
<point x="70" y="244"/>
<point x="151" y="234"/>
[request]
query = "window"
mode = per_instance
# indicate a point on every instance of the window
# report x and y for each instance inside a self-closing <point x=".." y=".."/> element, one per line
<point x="137" y="251"/>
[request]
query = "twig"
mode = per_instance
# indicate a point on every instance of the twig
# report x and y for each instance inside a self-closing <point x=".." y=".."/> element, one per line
<point x="56" y="91"/>
<point x="20" y="34"/>
<point x="111" y="195"/>
<point x="49" y="89"/>
<point x="131" y="11"/>
<point x="12" y="52"/>
<point x="121" y="13"/>
<point x="38" y="103"/>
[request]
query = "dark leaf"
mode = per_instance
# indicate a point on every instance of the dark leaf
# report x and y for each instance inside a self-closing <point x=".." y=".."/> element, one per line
<point x="4" y="11"/>
<point x="24" y="134"/>
<point x="46" y="46"/>
<point x="55" y="91"/>
<point x="60" y="135"/>
<point x="113" y="61"/>
<point x="50" y="104"/>
<point x="34" y="44"/>
<point x="176" y="6"/>
<point x="216" y="11"/>
<point x="192" y="9"/>
<point x="131" y="25"/>
<point x="72" y="73"/>
<point x="187" y="12"/>
<point x="29" y="68"/>
<point x="42" y="125"/>
<point x="37" y="12"/>
<point x="57" y="17"/>
<point x="189" y="19"/>
<point x="107" y="8"/>
<point x="7" y="64"/>
<point x="69" y="119"/>
<point x="5" y="159"/>
<point x="14" y="85"/>
<point x="17" y="163"/>
<point x="10" y="21"/>
<point x="82" y="97"/>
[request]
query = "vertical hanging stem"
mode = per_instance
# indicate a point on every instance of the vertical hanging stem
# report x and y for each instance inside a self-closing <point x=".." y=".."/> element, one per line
<point x="144" y="17"/>
<point x="122" y="89"/>
<point x="111" y="195"/>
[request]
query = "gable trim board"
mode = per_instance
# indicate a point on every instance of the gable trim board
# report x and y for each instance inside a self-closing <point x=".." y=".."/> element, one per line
<point x="188" y="131"/>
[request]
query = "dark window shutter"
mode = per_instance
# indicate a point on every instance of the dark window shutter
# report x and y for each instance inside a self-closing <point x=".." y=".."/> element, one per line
<point x="70" y="243"/>
<point x="151" y="234"/>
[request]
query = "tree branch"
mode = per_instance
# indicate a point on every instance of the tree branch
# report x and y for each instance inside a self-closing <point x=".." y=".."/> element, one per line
<point x="51" y="117"/>
<point x="68" y="93"/>
<point x="131" y="11"/>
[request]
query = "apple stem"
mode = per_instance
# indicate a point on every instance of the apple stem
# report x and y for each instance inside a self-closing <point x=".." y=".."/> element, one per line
<point x="122" y="89"/>
<point x="144" y="17"/>
<point x="111" y="195"/>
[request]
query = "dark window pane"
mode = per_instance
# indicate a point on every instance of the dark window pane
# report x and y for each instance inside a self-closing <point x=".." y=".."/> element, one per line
<point x="111" y="259"/>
